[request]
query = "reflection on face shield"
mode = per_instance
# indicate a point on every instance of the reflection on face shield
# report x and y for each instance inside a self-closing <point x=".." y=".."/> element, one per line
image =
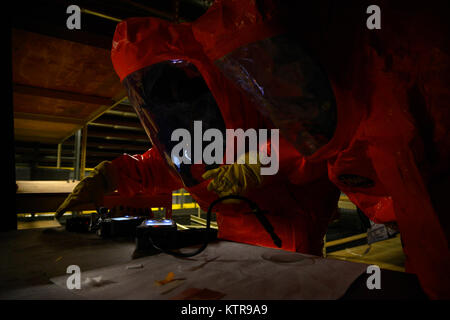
<point x="288" y="87"/>
<point x="172" y="95"/>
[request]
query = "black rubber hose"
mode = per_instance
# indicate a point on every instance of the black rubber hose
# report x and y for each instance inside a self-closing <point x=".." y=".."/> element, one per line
<point x="255" y="209"/>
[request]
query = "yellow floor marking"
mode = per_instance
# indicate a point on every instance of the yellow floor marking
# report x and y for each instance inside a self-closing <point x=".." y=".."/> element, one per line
<point x="387" y="254"/>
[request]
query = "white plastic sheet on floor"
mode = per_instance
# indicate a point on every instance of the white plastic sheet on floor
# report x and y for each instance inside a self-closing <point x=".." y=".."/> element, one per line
<point x="238" y="271"/>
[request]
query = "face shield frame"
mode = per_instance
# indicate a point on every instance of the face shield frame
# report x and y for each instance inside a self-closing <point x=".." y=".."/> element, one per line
<point x="171" y="95"/>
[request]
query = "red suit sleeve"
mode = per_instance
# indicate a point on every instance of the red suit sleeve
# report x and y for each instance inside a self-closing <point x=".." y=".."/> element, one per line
<point x="146" y="173"/>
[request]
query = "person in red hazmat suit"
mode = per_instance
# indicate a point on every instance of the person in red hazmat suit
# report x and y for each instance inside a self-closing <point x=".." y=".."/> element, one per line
<point x="172" y="84"/>
<point x="367" y="130"/>
<point x="389" y="151"/>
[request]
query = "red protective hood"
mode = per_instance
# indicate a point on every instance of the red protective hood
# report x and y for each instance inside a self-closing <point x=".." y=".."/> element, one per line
<point x="234" y="17"/>
<point x="140" y="42"/>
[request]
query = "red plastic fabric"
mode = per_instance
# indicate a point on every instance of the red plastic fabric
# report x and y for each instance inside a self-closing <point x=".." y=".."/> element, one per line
<point x="147" y="173"/>
<point x="391" y="89"/>
<point x="299" y="213"/>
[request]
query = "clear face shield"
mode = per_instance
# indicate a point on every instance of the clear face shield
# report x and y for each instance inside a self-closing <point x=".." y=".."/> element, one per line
<point x="288" y="87"/>
<point x="171" y="95"/>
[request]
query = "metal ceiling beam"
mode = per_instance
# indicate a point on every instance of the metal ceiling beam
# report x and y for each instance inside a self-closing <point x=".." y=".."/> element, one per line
<point x="117" y="134"/>
<point x="63" y="95"/>
<point x="42" y="152"/>
<point x="117" y="123"/>
<point x="100" y="15"/>
<point x="24" y="137"/>
<point x="98" y="143"/>
<point x="124" y="114"/>
<point x="45" y="117"/>
<point x="101" y="111"/>
<point x="61" y="32"/>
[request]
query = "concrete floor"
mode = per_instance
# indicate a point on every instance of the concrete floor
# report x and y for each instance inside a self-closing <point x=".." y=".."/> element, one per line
<point x="31" y="257"/>
<point x="388" y="254"/>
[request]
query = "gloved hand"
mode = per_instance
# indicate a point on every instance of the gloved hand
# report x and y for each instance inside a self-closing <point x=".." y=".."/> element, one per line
<point x="91" y="189"/>
<point x="234" y="179"/>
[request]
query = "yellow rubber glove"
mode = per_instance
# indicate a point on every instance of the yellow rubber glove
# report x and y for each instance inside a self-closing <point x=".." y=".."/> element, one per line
<point x="91" y="189"/>
<point x="234" y="179"/>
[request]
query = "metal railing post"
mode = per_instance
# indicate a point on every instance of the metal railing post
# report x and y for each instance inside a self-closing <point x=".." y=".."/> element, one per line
<point x="58" y="156"/>
<point x="77" y="151"/>
<point x="83" y="152"/>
